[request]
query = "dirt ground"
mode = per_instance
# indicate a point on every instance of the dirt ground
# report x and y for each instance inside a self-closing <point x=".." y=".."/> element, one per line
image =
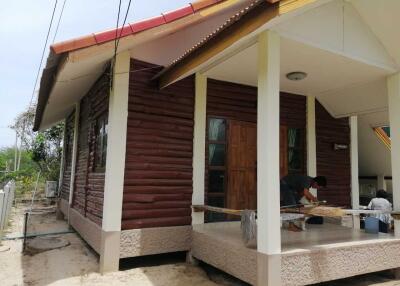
<point x="77" y="264"/>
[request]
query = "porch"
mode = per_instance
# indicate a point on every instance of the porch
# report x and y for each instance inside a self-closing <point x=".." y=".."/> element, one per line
<point x="322" y="253"/>
<point x="338" y="62"/>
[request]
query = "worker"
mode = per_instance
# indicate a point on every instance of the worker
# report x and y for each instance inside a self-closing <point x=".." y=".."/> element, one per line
<point x="294" y="187"/>
<point x="381" y="203"/>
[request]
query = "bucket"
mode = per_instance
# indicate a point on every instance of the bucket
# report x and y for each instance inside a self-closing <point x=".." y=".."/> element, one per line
<point x="371" y="225"/>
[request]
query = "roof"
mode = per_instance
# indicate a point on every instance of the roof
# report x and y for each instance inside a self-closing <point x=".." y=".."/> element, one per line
<point x="224" y="28"/>
<point x="132" y="28"/>
<point x="59" y="50"/>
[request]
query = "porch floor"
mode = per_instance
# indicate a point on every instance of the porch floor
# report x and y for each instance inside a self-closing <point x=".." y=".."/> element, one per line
<point x="321" y="253"/>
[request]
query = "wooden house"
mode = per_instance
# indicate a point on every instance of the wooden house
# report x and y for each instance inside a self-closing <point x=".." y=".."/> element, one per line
<point x="197" y="106"/>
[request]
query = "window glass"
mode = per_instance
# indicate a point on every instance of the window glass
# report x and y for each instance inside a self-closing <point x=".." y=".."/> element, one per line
<point x="295" y="150"/>
<point x="216" y="181"/>
<point x="101" y="142"/>
<point x="216" y="129"/>
<point x="294" y="137"/>
<point x="216" y="154"/>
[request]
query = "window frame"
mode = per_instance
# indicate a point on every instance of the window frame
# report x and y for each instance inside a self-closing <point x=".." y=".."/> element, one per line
<point x="101" y="122"/>
<point x="211" y="168"/>
<point x="300" y="148"/>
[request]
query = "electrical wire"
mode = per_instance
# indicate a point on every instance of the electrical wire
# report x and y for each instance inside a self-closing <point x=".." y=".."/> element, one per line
<point x="59" y="20"/>
<point x="116" y="29"/>
<point x="38" y="71"/>
<point x="123" y="24"/>
<point x="43" y="52"/>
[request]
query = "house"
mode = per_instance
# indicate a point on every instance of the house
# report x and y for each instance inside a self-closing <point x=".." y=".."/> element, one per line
<point x="212" y="104"/>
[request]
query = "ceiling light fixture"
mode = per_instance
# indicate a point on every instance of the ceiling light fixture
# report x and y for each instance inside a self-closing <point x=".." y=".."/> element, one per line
<point x="296" y="76"/>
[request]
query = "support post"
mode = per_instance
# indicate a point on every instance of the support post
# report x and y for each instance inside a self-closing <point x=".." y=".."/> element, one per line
<point x="393" y="85"/>
<point x="115" y="164"/>
<point x="74" y="155"/>
<point x="355" y="187"/>
<point x="268" y="185"/>
<point x="199" y="145"/>
<point x="311" y="140"/>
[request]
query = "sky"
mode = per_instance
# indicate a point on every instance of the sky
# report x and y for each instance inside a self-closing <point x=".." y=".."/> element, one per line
<point x="23" y="29"/>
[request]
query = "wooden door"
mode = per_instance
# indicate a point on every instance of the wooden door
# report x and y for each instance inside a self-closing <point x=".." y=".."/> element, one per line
<point x="242" y="165"/>
<point x="283" y="148"/>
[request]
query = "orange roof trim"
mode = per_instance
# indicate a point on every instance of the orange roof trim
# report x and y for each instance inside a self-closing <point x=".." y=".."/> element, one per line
<point x="132" y="28"/>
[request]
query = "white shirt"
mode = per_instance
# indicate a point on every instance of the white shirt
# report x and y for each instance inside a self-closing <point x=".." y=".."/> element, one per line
<point x="382" y="205"/>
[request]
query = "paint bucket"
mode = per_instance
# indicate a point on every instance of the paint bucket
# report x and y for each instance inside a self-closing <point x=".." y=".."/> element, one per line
<point x="371" y="225"/>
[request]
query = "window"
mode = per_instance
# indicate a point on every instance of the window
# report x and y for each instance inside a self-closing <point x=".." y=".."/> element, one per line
<point x="295" y="150"/>
<point x="383" y="134"/>
<point x="101" y="142"/>
<point x="216" y="145"/>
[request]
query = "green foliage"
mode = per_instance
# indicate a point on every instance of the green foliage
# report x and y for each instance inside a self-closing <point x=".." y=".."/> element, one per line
<point x="40" y="152"/>
<point x="44" y="148"/>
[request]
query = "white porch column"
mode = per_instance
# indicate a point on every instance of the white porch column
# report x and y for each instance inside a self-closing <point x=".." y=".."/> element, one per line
<point x="268" y="185"/>
<point x="311" y="140"/>
<point x="115" y="164"/>
<point x="74" y="154"/>
<point x="355" y="188"/>
<point x="199" y="145"/>
<point x="381" y="183"/>
<point x="393" y="84"/>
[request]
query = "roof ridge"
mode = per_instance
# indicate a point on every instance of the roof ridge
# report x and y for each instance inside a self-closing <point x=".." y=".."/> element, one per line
<point x="132" y="28"/>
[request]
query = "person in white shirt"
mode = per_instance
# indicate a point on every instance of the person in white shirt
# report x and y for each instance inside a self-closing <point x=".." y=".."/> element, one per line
<point x="381" y="203"/>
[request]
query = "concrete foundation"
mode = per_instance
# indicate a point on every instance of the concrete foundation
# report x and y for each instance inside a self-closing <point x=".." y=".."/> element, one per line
<point x="89" y="231"/>
<point x="63" y="207"/>
<point x="148" y="241"/>
<point x="322" y="253"/>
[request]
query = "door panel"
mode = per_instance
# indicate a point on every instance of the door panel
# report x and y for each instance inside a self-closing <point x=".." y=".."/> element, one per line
<point x="242" y="165"/>
<point x="283" y="156"/>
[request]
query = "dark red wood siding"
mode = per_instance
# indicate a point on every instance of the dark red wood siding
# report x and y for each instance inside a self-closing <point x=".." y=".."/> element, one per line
<point x="89" y="184"/>
<point x="68" y="144"/>
<point x="335" y="165"/>
<point x="158" y="169"/>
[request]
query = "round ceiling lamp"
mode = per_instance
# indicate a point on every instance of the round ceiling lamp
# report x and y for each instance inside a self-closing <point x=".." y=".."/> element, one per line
<point x="296" y="76"/>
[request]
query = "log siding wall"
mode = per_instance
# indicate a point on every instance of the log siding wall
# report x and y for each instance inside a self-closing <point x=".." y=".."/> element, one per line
<point x="335" y="165"/>
<point x="158" y="168"/>
<point x="68" y="144"/>
<point x="89" y="184"/>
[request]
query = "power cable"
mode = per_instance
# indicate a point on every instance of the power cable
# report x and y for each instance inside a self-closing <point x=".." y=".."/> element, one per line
<point x="43" y="52"/>
<point x="59" y="20"/>
<point x="123" y="24"/>
<point x="37" y="74"/>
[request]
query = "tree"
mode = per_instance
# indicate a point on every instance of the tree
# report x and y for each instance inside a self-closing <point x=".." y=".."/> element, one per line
<point x="43" y="147"/>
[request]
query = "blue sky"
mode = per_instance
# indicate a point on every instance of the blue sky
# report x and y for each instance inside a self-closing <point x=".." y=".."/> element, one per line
<point x="23" y="28"/>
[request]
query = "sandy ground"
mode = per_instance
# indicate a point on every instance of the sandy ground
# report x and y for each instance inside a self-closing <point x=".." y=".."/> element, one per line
<point x="77" y="264"/>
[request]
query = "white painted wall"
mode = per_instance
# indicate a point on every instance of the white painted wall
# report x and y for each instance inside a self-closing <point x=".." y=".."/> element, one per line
<point x="340" y="29"/>
<point x="374" y="158"/>
<point x="393" y="83"/>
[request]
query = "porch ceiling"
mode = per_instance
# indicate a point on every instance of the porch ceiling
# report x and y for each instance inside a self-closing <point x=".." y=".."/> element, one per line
<point x="340" y="83"/>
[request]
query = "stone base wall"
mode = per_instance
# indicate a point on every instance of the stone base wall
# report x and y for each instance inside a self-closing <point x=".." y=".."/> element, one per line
<point x="158" y="240"/>
<point x="331" y="263"/>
